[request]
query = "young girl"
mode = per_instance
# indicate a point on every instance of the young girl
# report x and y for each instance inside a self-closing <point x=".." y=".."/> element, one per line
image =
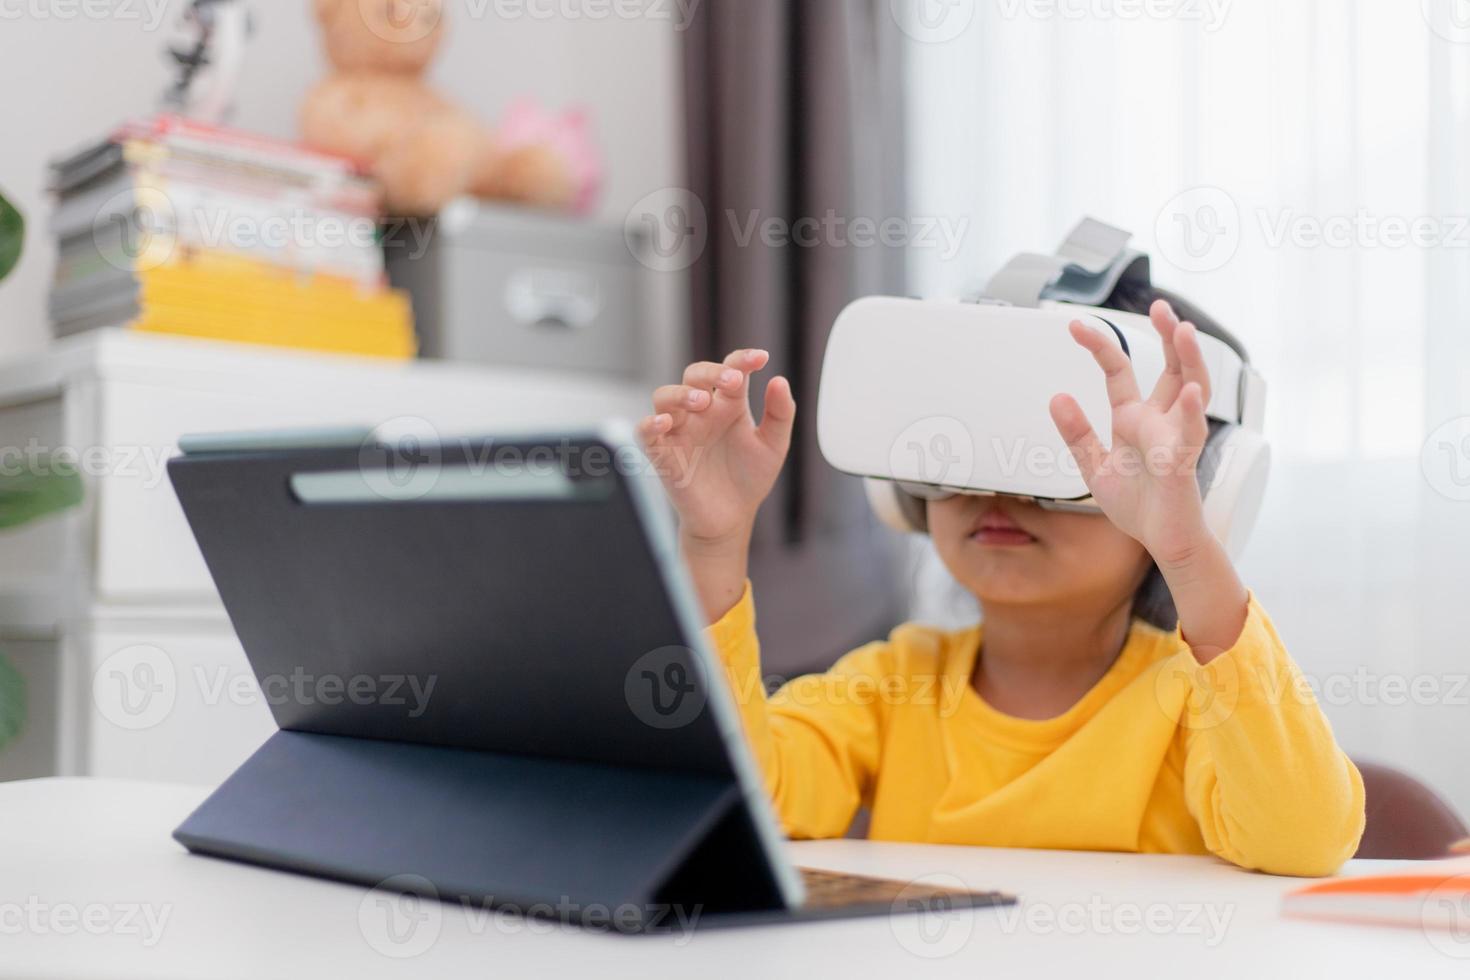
<point x="1062" y="721"/>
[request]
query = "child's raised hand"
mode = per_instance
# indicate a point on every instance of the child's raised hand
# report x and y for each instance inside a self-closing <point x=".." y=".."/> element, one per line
<point x="1145" y="482"/>
<point x="716" y="462"/>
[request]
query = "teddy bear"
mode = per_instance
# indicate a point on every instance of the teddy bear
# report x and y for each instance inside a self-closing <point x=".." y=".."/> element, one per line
<point x="376" y="108"/>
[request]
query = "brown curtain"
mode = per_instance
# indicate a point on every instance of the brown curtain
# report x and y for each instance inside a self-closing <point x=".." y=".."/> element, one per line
<point x="793" y="112"/>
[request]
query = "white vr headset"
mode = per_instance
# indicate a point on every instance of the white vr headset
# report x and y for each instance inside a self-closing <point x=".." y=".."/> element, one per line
<point x="928" y="399"/>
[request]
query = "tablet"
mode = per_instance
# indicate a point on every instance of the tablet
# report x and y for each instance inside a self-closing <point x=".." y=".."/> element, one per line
<point x="490" y="677"/>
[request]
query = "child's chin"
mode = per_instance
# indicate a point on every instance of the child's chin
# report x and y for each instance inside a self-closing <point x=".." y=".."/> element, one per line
<point x="1010" y="586"/>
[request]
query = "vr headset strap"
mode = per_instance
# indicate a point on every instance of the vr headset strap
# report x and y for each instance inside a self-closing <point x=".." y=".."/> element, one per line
<point x="1086" y="268"/>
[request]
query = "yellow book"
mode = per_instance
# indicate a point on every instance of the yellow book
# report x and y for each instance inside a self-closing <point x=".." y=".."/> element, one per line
<point x="226" y="297"/>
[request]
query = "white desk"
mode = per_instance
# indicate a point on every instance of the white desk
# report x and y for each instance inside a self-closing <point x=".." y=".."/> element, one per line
<point x="75" y="852"/>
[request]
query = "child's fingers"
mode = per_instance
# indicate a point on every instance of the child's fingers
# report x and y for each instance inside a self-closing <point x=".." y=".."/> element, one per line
<point x="725" y="381"/>
<point x="1189" y="412"/>
<point x="710" y="376"/>
<point x="654" y="426"/>
<point x="1122" y="385"/>
<point x="779" y="415"/>
<point x="747" y="359"/>
<point x="1077" y="432"/>
<point x="746" y="362"/>
<point x="1166" y="322"/>
<point x="677" y="398"/>
<point x="1192" y="358"/>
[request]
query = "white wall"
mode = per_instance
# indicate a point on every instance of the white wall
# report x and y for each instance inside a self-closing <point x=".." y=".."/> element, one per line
<point x="67" y="79"/>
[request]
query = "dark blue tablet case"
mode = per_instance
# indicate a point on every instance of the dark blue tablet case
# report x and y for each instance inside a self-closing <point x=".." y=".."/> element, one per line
<point x="529" y="779"/>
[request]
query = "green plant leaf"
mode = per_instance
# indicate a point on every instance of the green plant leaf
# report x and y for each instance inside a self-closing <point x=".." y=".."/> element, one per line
<point x="42" y="490"/>
<point x="12" y="702"/>
<point x="12" y="233"/>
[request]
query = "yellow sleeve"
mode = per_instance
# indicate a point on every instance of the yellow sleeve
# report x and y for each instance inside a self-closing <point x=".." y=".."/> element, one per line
<point x="817" y="741"/>
<point x="1263" y="775"/>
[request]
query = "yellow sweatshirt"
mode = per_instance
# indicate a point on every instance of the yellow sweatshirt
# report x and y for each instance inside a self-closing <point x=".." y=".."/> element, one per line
<point x="1233" y="758"/>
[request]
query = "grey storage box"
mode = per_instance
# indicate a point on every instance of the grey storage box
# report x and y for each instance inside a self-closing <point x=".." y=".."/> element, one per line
<point x="510" y="286"/>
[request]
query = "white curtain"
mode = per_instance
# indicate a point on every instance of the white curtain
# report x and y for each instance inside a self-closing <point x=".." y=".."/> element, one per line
<point x="1302" y="171"/>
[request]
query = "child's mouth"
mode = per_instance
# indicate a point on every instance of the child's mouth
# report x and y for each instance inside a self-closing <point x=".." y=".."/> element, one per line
<point x="996" y="530"/>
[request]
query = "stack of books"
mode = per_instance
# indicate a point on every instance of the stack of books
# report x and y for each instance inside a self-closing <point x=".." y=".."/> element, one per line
<point x="173" y="227"/>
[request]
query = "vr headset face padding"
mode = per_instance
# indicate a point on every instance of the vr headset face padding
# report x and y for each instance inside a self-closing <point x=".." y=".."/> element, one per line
<point x="895" y="507"/>
<point x="1231" y="471"/>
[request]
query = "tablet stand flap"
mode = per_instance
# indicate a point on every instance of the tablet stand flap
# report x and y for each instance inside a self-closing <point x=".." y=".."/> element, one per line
<point x="487" y="828"/>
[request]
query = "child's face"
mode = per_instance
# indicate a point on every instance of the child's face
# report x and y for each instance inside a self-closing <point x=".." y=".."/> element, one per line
<point x="1014" y="552"/>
